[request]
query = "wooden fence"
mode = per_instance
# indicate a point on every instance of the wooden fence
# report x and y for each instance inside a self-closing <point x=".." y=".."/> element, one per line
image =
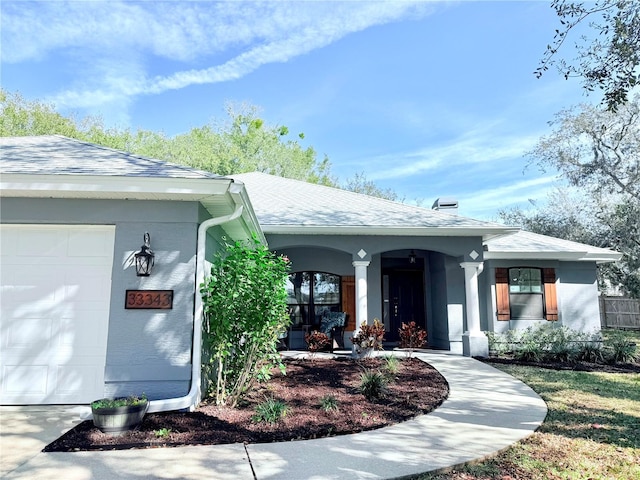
<point x="620" y="312"/>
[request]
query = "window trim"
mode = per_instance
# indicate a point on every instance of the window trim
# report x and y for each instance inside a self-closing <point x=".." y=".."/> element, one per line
<point x="549" y="293"/>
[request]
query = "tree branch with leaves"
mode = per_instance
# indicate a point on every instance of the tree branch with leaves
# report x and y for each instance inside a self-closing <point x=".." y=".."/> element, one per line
<point x="610" y="60"/>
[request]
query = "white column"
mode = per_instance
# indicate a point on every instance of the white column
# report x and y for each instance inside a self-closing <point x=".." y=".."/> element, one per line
<point x="361" y="291"/>
<point x="471" y="270"/>
<point x="474" y="342"/>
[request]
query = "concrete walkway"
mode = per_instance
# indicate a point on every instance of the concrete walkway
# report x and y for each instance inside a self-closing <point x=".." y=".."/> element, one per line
<point x="486" y="411"/>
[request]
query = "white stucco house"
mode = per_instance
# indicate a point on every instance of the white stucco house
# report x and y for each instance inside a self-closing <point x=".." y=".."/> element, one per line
<point x="77" y="323"/>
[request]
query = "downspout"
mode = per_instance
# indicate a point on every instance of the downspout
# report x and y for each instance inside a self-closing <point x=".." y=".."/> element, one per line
<point x="191" y="399"/>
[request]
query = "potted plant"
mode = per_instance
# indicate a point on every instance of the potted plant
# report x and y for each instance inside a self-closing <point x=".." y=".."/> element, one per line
<point x="117" y="415"/>
<point x="317" y="341"/>
<point x="368" y="338"/>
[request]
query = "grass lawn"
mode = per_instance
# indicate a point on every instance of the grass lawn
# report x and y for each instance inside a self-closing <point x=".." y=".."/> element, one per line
<point x="592" y="430"/>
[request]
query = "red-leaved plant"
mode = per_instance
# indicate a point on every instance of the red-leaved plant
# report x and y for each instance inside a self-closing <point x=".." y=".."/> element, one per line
<point x="369" y="336"/>
<point x="412" y="336"/>
<point x="316" y="341"/>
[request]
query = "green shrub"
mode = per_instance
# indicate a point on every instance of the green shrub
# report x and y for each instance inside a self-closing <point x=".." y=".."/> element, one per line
<point x="162" y="432"/>
<point x="245" y="311"/>
<point x="329" y="403"/>
<point x="373" y="384"/>
<point x="590" y="352"/>
<point x="270" y="411"/>
<point x="528" y="352"/>
<point x="391" y="365"/>
<point x="619" y="349"/>
<point x="130" y="401"/>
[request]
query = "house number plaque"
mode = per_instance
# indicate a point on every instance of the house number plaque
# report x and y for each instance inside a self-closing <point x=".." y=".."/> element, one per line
<point x="149" y="299"/>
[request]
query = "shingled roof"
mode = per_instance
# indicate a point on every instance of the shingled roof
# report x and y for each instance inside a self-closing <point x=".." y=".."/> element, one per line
<point x="527" y="245"/>
<point x="59" y="155"/>
<point x="283" y="205"/>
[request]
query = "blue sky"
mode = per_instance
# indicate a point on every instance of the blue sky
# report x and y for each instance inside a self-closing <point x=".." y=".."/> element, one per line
<point x="431" y="99"/>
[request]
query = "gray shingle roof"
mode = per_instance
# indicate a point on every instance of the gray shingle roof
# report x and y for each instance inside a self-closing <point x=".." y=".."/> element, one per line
<point x="282" y="202"/>
<point x="58" y="155"/>
<point x="532" y="245"/>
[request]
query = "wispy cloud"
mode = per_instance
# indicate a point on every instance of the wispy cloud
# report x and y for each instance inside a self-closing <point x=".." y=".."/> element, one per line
<point x="470" y="148"/>
<point x="235" y="37"/>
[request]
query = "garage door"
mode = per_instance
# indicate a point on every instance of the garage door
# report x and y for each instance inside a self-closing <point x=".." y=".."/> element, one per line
<point x="55" y="286"/>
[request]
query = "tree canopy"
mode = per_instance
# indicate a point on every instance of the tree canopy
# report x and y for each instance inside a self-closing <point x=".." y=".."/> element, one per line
<point x="243" y="142"/>
<point x="598" y="151"/>
<point x="610" y="59"/>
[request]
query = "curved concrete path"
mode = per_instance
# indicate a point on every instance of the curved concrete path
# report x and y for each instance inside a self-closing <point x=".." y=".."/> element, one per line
<point x="486" y="411"/>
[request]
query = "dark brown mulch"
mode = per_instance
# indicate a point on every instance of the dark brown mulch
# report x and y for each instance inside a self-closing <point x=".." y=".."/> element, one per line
<point x="577" y="366"/>
<point x="416" y="389"/>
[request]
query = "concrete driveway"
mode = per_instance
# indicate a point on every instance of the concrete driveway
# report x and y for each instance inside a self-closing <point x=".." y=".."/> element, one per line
<point x="26" y="430"/>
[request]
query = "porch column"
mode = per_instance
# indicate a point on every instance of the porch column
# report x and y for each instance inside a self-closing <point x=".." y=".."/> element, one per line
<point x="474" y="342"/>
<point x="361" y="291"/>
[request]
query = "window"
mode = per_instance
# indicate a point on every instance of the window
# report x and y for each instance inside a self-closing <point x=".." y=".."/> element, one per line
<point x="310" y="294"/>
<point x="526" y="293"/>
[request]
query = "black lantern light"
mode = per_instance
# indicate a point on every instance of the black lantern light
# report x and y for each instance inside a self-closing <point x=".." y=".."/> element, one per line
<point x="145" y="258"/>
<point x="412" y="257"/>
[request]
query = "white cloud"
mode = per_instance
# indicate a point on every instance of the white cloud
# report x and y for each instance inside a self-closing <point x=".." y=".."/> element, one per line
<point x="472" y="148"/>
<point x="236" y="37"/>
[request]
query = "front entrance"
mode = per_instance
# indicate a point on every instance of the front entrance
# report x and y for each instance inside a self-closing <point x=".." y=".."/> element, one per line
<point x="403" y="299"/>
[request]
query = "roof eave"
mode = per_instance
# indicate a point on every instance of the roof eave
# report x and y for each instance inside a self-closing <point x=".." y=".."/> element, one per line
<point x="102" y="186"/>
<point x="218" y="196"/>
<point x="600" y="257"/>
<point x="303" y="229"/>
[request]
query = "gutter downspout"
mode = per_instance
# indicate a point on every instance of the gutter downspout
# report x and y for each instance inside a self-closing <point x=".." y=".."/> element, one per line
<point x="193" y="397"/>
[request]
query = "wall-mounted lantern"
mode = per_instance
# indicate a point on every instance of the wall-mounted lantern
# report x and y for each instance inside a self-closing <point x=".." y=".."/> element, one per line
<point x="145" y="258"/>
<point x="412" y="257"/>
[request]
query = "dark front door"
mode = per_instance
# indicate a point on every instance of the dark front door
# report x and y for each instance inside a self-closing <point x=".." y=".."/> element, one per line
<point x="403" y="300"/>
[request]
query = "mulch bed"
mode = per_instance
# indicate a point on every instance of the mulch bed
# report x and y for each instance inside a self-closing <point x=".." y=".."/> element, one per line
<point x="577" y="366"/>
<point x="416" y="389"/>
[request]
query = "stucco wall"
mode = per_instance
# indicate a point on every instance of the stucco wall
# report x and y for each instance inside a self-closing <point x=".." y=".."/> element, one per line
<point x="148" y="350"/>
<point x="577" y="292"/>
<point x="444" y="278"/>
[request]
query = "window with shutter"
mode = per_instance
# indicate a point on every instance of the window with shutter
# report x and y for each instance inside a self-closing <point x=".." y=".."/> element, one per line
<point x="526" y="293"/>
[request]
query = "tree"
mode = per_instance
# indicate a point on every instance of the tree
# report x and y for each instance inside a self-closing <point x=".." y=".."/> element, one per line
<point x="245" y="310"/>
<point x="241" y="143"/>
<point x="610" y="61"/>
<point x="595" y="148"/>
<point x="19" y="117"/>
<point x="598" y="151"/>
<point x="360" y="184"/>
<point x="593" y="220"/>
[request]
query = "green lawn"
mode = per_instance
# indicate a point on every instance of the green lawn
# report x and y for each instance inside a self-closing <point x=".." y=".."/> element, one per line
<point x="592" y="430"/>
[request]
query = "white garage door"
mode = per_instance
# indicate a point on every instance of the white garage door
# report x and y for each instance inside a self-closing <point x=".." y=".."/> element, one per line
<point x="55" y="288"/>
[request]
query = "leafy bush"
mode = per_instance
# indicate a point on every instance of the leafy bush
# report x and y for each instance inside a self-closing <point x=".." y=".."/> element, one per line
<point x="373" y="384"/>
<point x="317" y="341"/>
<point x="590" y="352"/>
<point x="270" y="411"/>
<point x="412" y="336"/>
<point x="329" y="403"/>
<point x="619" y="349"/>
<point x="130" y="401"/>
<point x="369" y="336"/>
<point x="548" y="342"/>
<point x="529" y="352"/>
<point x="245" y="310"/>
